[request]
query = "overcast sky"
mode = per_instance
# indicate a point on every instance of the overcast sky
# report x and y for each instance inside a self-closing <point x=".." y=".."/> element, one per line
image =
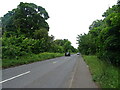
<point x="68" y="18"/>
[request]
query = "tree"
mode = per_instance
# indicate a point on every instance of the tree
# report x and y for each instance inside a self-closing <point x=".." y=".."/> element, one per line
<point x="26" y="18"/>
<point x="86" y="44"/>
<point x="103" y="37"/>
<point x="25" y="31"/>
<point x="67" y="46"/>
<point x="63" y="45"/>
<point x="41" y="33"/>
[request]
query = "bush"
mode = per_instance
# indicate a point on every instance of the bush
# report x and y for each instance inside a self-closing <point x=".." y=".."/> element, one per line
<point x="13" y="46"/>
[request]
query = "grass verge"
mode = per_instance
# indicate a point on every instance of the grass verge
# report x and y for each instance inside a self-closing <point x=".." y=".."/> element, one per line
<point x="6" y="63"/>
<point x="104" y="74"/>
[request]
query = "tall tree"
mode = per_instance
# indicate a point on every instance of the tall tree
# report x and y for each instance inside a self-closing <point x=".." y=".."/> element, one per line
<point x="104" y="36"/>
<point x="26" y="18"/>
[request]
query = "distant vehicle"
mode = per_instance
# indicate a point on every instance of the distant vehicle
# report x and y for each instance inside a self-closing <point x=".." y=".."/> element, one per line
<point x="78" y="53"/>
<point x="67" y="54"/>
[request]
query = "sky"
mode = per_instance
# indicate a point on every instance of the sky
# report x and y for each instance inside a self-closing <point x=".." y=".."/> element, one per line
<point x="68" y="18"/>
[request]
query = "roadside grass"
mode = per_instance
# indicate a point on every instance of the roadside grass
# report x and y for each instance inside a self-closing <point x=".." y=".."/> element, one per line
<point x="103" y="73"/>
<point x="6" y="63"/>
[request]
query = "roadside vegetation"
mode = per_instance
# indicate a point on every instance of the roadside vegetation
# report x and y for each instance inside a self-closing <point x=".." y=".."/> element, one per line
<point x="103" y="42"/>
<point x="29" y="59"/>
<point x="25" y="36"/>
<point x="104" y="74"/>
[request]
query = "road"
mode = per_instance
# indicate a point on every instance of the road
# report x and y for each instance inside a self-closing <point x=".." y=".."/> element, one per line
<point x="62" y="72"/>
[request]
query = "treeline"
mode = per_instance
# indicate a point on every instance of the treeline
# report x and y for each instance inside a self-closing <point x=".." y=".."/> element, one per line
<point x="25" y="31"/>
<point x="103" y="38"/>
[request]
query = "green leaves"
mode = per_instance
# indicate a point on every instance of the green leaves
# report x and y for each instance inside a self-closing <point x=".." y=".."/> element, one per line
<point x="103" y="38"/>
<point x="62" y="46"/>
<point x="25" y="31"/>
<point x="42" y="33"/>
<point x="26" y="18"/>
<point x="67" y="46"/>
<point x="86" y="44"/>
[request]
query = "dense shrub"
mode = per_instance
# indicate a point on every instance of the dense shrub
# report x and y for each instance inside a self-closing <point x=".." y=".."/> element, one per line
<point x="27" y="33"/>
<point x="13" y="46"/>
<point x="103" y="38"/>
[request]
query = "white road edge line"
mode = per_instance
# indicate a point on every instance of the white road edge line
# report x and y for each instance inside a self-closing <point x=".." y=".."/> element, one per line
<point x="14" y="77"/>
<point x="73" y="76"/>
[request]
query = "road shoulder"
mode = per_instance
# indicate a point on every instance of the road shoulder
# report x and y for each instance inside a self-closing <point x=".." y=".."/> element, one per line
<point x="82" y="77"/>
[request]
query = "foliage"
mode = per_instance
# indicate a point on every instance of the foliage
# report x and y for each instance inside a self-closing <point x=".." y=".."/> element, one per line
<point x="25" y="19"/>
<point x="25" y="31"/>
<point x="13" y="47"/>
<point x="103" y="38"/>
<point x="6" y="63"/>
<point x="103" y="73"/>
<point x="65" y="45"/>
<point x="86" y="45"/>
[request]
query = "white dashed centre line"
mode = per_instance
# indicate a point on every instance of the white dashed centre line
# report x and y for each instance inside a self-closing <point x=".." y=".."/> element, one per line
<point x="54" y="62"/>
<point x="14" y="77"/>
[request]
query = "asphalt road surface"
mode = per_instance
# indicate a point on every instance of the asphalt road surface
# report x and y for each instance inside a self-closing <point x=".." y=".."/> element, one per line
<point x="62" y="72"/>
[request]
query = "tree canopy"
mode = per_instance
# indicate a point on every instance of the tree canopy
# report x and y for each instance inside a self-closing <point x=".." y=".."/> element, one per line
<point x="103" y="38"/>
<point x="26" y="31"/>
<point x="25" y="19"/>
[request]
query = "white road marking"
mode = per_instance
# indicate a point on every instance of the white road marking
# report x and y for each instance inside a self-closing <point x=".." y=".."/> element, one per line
<point x="14" y="77"/>
<point x="70" y="85"/>
<point x="54" y="62"/>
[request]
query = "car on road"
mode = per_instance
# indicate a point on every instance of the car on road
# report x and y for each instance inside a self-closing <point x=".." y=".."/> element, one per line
<point x="67" y="54"/>
<point x="78" y="53"/>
